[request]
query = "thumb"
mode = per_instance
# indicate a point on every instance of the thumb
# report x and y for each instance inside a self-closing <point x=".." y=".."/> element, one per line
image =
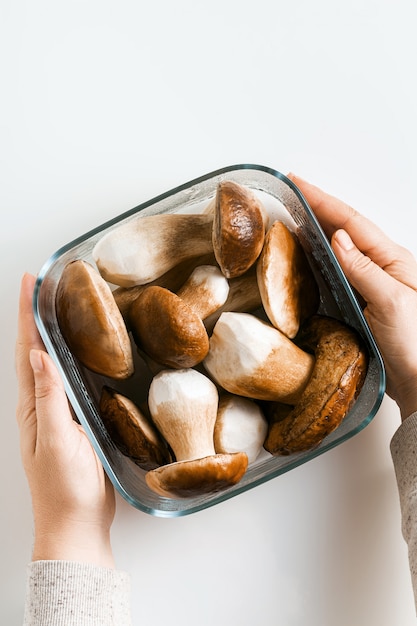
<point x="52" y="409"/>
<point x="368" y="278"/>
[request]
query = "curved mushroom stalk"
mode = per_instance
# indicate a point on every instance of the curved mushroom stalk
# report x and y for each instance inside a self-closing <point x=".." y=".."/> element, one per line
<point x="337" y="378"/>
<point x="286" y="282"/>
<point x="144" y="248"/>
<point x="91" y="322"/>
<point x="244" y="297"/>
<point x="205" y="291"/>
<point x="169" y="327"/>
<point x="251" y="358"/>
<point x="240" y="426"/>
<point x="183" y="405"/>
<point x="238" y="228"/>
<point x="173" y="279"/>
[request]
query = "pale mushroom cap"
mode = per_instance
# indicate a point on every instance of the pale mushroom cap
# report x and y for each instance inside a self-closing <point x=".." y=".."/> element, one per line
<point x="240" y="427"/>
<point x="183" y="404"/>
<point x="286" y="283"/>
<point x="251" y="358"/>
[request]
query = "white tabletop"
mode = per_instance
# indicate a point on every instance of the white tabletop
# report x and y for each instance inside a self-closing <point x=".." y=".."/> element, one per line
<point x="107" y="104"/>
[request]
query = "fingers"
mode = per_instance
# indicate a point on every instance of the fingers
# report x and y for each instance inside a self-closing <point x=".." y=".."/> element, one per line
<point x="27" y="337"/>
<point x="370" y="280"/>
<point x="51" y="404"/>
<point x="333" y="214"/>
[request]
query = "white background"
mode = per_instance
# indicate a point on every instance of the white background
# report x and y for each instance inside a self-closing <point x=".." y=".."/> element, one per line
<point x="106" y="104"/>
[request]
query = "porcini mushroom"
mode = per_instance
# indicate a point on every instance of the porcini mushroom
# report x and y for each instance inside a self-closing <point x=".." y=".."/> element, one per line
<point x="238" y="228"/>
<point x="205" y="291"/>
<point x="169" y="327"/>
<point x="91" y="322"/>
<point x="286" y="282"/>
<point x="243" y="297"/>
<point x="337" y="378"/>
<point x="240" y="426"/>
<point x="251" y="358"/>
<point x="132" y="431"/>
<point x="173" y="279"/>
<point x="144" y="248"/>
<point x="183" y="405"/>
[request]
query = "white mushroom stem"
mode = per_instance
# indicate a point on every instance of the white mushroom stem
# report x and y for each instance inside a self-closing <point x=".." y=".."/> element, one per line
<point x="251" y="358"/>
<point x="205" y="291"/>
<point x="240" y="426"/>
<point x="183" y="405"/>
<point x="244" y="296"/>
<point x="144" y="248"/>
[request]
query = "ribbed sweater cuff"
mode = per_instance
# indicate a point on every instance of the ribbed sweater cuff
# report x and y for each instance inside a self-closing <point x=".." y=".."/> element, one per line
<point x="66" y="593"/>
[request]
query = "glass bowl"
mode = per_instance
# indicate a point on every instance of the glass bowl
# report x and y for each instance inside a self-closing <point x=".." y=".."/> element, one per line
<point x="282" y="200"/>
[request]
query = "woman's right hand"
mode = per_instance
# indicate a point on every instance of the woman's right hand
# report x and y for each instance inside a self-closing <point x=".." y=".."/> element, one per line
<point x="385" y="274"/>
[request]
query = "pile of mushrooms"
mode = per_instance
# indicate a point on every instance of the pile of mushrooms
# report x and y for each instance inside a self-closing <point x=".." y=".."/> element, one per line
<point x="222" y="306"/>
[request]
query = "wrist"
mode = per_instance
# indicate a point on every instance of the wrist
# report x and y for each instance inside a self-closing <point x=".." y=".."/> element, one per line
<point x="84" y="544"/>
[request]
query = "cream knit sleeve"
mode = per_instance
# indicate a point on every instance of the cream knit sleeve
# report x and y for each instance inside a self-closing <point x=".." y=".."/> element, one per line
<point x="66" y="593"/>
<point x="404" y="455"/>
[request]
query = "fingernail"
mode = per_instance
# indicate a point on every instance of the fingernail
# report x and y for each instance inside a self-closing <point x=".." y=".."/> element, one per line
<point x="291" y="176"/>
<point x="343" y="240"/>
<point x="36" y="360"/>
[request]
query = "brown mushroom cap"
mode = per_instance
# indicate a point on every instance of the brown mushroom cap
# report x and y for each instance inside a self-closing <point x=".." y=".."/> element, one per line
<point x="238" y="228"/>
<point x="183" y="405"/>
<point x="132" y="432"/>
<point x="337" y="378"/>
<point x="91" y="322"/>
<point x="286" y="282"/>
<point x="168" y="329"/>
<point x="187" y="479"/>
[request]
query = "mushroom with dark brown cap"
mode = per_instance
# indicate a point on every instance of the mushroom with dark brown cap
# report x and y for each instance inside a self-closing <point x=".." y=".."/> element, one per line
<point x="238" y="228"/>
<point x="183" y="405"/>
<point x="251" y="358"/>
<point x="91" y="322"/>
<point x="132" y="431"/>
<point x="169" y="327"/>
<point x="173" y="279"/>
<point x="144" y="248"/>
<point x="338" y="375"/>
<point x="286" y="282"/>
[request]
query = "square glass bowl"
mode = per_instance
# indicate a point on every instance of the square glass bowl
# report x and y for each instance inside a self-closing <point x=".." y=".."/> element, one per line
<point x="283" y="201"/>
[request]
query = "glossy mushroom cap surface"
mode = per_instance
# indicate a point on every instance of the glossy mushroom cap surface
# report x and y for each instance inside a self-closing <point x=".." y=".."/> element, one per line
<point x="91" y="322"/>
<point x="168" y="329"/>
<point x="188" y="479"/>
<point x="132" y="431"/>
<point x="238" y="228"/>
